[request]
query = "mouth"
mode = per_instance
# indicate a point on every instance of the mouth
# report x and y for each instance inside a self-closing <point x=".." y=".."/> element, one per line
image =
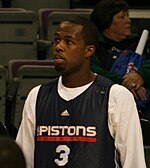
<point x="128" y="27"/>
<point x="58" y="59"/>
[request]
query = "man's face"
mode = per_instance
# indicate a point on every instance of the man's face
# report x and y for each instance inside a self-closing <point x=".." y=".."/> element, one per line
<point x="121" y="25"/>
<point x="68" y="47"/>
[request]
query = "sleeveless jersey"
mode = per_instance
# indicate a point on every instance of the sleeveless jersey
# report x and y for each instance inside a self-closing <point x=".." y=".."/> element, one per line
<point x="74" y="133"/>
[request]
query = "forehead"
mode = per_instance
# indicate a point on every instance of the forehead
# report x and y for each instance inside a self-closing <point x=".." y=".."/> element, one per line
<point x="69" y="29"/>
<point x="122" y="12"/>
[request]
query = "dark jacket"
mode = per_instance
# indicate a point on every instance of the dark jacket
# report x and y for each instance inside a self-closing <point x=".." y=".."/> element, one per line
<point x="109" y="51"/>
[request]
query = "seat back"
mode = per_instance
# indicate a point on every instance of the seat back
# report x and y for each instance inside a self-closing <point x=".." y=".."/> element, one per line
<point x="140" y="20"/>
<point x="15" y="64"/>
<point x="23" y="76"/>
<point x="43" y="20"/>
<point x="147" y="155"/>
<point x="18" y="35"/>
<point x="36" y="5"/>
<point x="145" y="125"/>
<point x="3" y="80"/>
<point x="3" y="130"/>
<point x="44" y="13"/>
<point x="54" y="18"/>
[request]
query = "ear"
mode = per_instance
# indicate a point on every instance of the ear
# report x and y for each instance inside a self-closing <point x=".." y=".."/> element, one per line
<point x="89" y="50"/>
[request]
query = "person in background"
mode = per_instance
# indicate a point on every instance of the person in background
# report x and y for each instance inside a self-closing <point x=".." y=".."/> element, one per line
<point x="116" y="39"/>
<point x="80" y="119"/>
<point x="11" y="155"/>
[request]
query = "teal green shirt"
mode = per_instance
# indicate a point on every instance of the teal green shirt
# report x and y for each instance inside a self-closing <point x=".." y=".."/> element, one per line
<point x="96" y="67"/>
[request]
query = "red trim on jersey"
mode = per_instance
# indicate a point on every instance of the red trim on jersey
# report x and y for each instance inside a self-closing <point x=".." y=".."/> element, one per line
<point x="66" y="138"/>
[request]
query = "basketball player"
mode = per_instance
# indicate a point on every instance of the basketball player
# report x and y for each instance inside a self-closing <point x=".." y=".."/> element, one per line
<point x="81" y="119"/>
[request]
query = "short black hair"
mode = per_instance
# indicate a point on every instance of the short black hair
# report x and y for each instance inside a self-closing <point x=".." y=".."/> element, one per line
<point x="103" y="12"/>
<point x="11" y="155"/>
<point x="89" y="31"/>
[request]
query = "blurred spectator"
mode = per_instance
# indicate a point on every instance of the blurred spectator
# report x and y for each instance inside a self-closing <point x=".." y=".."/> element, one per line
<point x="11" y="156"/>
<point x="115" y="38"/>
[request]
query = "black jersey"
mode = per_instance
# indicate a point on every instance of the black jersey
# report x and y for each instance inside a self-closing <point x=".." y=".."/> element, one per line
<point x="74" y="133"/>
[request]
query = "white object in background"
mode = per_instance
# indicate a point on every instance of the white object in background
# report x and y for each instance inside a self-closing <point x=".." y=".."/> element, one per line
<point x="142" y="42"/>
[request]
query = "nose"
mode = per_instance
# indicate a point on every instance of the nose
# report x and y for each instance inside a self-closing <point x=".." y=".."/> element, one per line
<point x="58" y="46"/>
<point x="128" y="19"/>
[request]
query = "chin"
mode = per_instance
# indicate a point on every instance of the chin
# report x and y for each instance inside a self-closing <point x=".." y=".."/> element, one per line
<point x="128" y="33"/>
<point x="59" y="68"/>
<point x="126" y="36"/>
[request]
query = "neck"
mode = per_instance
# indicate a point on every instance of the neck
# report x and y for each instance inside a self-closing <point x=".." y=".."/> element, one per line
<point x="77" y="80"/>
<point x="113" y="37"/>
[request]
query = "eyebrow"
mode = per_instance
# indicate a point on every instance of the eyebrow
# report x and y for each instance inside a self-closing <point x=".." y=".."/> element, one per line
<point x="67" y="36"/>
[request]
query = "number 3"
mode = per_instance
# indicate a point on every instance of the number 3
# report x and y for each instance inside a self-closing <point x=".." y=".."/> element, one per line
<point x="63" y="158"/>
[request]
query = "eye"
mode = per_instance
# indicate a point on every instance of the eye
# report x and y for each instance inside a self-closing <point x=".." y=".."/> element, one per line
<point x="69" y="42"/>
<point x="56" y="40"/>
<point x="122" y="16"/>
